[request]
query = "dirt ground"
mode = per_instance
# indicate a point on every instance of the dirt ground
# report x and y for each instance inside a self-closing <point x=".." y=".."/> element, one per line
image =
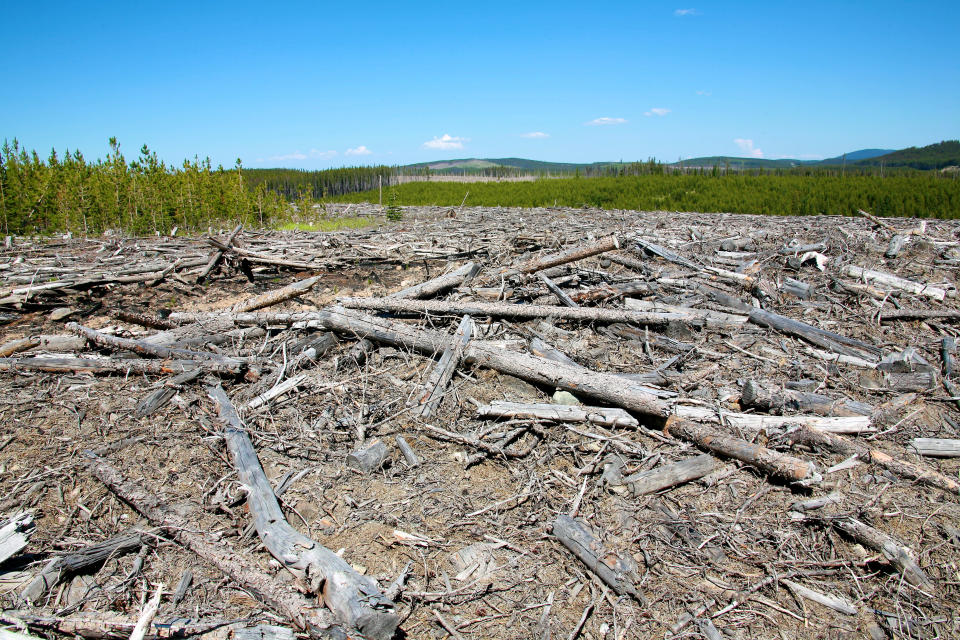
<point x="723" y="547"/>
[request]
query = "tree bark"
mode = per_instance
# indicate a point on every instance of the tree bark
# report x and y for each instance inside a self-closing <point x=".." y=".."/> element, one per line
<point x="355" y="599"/>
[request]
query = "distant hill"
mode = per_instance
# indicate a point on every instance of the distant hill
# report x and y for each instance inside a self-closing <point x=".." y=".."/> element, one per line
<point x="853" y="156"/>
<point x="934" y="156"/>
<point x="473" y="164"/>
<point x="709" y="162"/>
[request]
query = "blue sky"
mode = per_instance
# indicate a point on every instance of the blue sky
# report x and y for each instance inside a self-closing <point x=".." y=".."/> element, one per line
<point x="318" y="84"/>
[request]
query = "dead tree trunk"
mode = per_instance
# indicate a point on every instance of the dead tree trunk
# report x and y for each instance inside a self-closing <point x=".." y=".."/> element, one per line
<point x="773" y="463"/>
<point x="778" y="401"/>
<point x="354" y="599"/>
<point x="617" y="571"/>
<point x="670" y="475"/>
<point x="610" y="243"/>
<point x="280" y="597"/>
<point x="277" y="295"/>
<point x="436" y="383"/>
<point x="217" y="256"/>
<point x="440" y="283"/>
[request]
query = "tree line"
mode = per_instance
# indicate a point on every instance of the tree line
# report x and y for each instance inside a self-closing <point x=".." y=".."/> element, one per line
<point x="66" y="192"/>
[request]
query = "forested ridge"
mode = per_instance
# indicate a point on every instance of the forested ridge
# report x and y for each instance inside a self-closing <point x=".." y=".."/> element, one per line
<point x="66" y="192"/>
<point x="919" y="195"/>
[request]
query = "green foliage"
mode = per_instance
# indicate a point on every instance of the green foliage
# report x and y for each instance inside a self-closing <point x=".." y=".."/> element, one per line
<point x="327" y="224"/>
<point x="68" y="193"/>
<point x="292" y="183"/>
<point x="934" y="156"/>
<point x="394" y="212"/>
<point x="812" y="193"/>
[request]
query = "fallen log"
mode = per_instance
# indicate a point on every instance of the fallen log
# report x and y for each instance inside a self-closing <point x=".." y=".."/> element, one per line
<point x="81" y="560"/>
<point x="896" y="282"/>
<point x="607" y="388"/>
<point x="277" y="595"/>
<point x="773" y="463"/>
<point x="564" y="299"/>
<point x="670" y="475"/>
<point x="436" y="383"/>
<point x="513" y="311"/>
<point x="610" y="243"/>
<point x="109" y="365"/>
<point x="827" y="339"/>
<point x="144" y="348"/>
<point x="778" y="401"/>
<point x="14" y="535"/>
<point x="898" y="554"/>
<point x="441" y="283"/>
<point x="217" y="255"/>
<point x="936" y="447"/>
<point x="355" y="599"/>
<point x="755" y="422"/>
<point x="276" y="296"/>
<point x="558" y="413"/>
<point x="16" y="346"/>
<point x="101" y="627"/>
<point x="709" y="318"/>
<point x="839" y="444"/>
<point x="618" y="571"/>
<point x="920" y="314"/>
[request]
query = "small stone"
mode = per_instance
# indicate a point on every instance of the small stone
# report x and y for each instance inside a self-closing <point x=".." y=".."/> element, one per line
<point x="61" y="312"/>
<point x="566" y="398"/>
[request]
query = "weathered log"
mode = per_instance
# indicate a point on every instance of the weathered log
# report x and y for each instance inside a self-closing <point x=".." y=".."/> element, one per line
<point x="358" y="353"/>
<point x="440" y="283"/>
<point x="796" y="288"/>
<point x="512" y="311"/>
<point x="108" y="365"/>
<point x="143" y="348"/>
<point x="186" y="579"/>
<point x="898" y="554"/>
<point x="773" y="463"/>
<point x="144" y="320"/>
<point x="276" y="391"/>
<point x="408" y="453"/>
<point x="81" y="560"/>
<point x="839" y="444"/>
<point x="355" y="599"/>
<point x="108" y="627"/>
<point x="607" y="417"/>
<point x="147" y="615"/>
<point x="778" y="401"/>
<point x="833" y="602"/>
<point x="369" y="457"/>
<point x="159" y="398"/>
<point x="607" y="291"/>
<point x="16" y="346"/>
<point x="580" y="252"/>
<point x="217" y="255"/>
<point x="277" y="595"/>
<point x="605" y="387"/>
<point x="670" y="475"/>
<point x="14" y="535"/>
<point x="827" y="339"/>
<point x="947" y="347"/>
<point x="276" y="296"/>
<point x="707" y="317"/>
<point x="896" y="246"/>
<point x="666" y="254"/>
<point x="755" y="422"/>
<point x="436" y="383"/>
<point x="896" y="282"/>
<point x="564" y="299"/>
<point x="618" y="571"/>
<point x="936" y="447"/>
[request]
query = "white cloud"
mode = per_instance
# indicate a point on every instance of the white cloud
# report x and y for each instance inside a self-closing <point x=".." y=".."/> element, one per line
<point x="605" y="121"/>
<point x="535" y="134"/>
<point x="657" y="111"/>
<point x="746" y="145"/>
<point x="686" y="12"/>
<point x="704" y="93"/>
<point x="359" y="151"/>
<point x="446" y="141"/>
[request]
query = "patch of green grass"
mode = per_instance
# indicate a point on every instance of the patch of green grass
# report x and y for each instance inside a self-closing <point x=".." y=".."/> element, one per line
<point x="332" y="224"/>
